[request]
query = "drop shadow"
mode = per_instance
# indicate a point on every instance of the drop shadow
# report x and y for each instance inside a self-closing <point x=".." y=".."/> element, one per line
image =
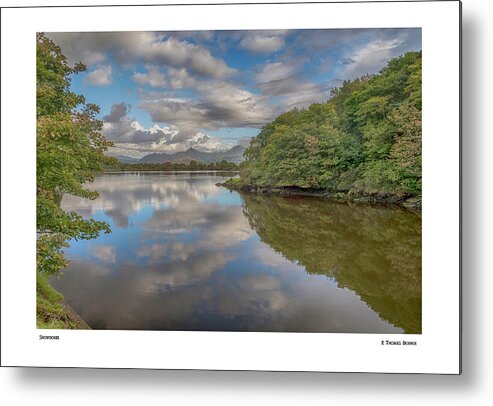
<point x="328" y="382"/>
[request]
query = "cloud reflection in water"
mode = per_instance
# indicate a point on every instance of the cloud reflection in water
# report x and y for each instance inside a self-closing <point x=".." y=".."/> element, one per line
<point x="184" y="256"/>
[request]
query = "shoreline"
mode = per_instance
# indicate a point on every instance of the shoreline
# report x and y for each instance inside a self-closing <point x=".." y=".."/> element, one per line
<point x="410" y="203"/>
<point x="52" y="312"/>
<point x="168" y="171"/>
<point x="75" y="317"/>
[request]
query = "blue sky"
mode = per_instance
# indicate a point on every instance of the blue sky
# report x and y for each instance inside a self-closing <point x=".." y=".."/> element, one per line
<point x="211" y="90"/>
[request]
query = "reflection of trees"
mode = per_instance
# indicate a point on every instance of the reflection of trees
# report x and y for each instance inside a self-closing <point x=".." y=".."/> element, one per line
<point x="374" y="251"/>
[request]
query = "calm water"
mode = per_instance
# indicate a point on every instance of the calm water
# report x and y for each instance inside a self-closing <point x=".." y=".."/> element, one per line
<point x="185" y="254"/>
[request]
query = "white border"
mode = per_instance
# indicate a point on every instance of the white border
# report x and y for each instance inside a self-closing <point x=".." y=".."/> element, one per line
<point x="438" y="347"/>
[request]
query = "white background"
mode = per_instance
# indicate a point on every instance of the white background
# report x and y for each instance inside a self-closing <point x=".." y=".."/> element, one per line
<point x="45" y="386"/>
<point x="437" y="347"/>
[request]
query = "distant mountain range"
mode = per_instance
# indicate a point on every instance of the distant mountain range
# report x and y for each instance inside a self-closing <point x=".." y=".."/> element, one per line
<point x="125" y="159"/>
<point x="235" y="155"/>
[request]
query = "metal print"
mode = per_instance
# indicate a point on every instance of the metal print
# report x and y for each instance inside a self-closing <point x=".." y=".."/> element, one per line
<point x="265" y="180"/>
<point x="199" y="179"/>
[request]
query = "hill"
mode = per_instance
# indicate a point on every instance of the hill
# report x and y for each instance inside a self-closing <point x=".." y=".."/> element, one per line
<point x="124" y="159"/>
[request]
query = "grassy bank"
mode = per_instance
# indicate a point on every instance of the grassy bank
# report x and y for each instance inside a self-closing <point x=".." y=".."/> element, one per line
<point x="51" y="311"/>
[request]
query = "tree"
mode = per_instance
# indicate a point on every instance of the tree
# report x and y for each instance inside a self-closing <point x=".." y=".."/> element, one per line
<point x="70" y="149"/>
<point x="365" y="139"/>
<point x="193" y="165"/>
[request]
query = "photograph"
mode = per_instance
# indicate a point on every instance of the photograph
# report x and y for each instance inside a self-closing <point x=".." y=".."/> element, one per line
<point x="233" y="187"/>
<point x="260" y="180"/>
<point x="243" y="203"/>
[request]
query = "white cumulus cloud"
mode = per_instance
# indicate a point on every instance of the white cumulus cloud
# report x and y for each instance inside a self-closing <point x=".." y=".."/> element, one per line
<point x="369" y="58"/>
<point x="154" y="77"/>
<point x="100" y="76"/>
<point x="263" y="41"/>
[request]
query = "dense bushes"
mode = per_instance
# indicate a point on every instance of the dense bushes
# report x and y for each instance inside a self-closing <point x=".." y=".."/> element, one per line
<point x="365" y="139"/>
<point x="177" y="166"/>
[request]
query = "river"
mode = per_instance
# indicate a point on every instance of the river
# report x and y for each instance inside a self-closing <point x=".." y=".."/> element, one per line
<point x="185" y="254"/>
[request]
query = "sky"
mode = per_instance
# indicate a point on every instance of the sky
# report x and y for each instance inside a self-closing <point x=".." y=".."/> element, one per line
<point x="212" y="90"/>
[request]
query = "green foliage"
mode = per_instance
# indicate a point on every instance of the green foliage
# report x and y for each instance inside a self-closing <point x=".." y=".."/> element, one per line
<point x="50" y="312"/>
<point x="172" y="166"/>
<point x="234" y="183"/>
<point x="70" y="147"/>
<point x="365" y="139"/>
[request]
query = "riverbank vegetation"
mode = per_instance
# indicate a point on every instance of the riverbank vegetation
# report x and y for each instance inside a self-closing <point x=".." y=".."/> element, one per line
<point x="51" y="311"/>
<point x="173" y="166"/>
<point x="69" y="151"/>
<point x="363" y="143"/>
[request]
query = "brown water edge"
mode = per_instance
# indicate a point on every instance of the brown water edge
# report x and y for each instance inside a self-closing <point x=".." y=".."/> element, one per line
<point x="411" y="203"/>
<point x="52" y="312"/>
<point x="75" y="318"/>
